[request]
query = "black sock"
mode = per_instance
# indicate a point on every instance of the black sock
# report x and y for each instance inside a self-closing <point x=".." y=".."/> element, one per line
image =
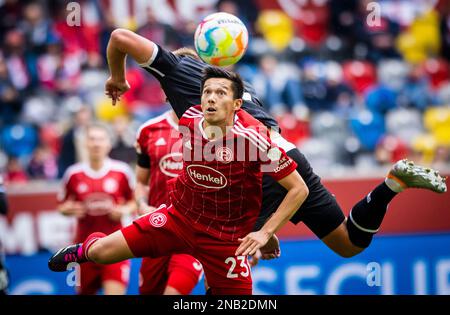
<point x="366" y="216"/>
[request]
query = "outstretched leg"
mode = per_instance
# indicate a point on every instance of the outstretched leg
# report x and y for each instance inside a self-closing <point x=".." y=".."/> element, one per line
<point x="356" y="232"/>
<point x="323" y="215"/>
<point x="154" y="235"/>
<point x="108" y="249"/>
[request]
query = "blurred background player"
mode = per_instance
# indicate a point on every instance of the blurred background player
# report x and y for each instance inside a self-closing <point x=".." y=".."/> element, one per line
<point x="3" y="211"/>
<point x="158" y="148"/>
<point x="73" y="146"/>
<point x="99" y="193"/>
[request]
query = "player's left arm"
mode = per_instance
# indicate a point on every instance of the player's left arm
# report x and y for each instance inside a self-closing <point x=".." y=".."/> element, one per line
<point x="297" y="191"/>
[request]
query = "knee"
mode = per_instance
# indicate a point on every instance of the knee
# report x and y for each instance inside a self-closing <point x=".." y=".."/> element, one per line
<point x="97" y="252"/>
<point x="120" y="37"/>
<point x="340" y="242"/>
<point x="119" y="34"/>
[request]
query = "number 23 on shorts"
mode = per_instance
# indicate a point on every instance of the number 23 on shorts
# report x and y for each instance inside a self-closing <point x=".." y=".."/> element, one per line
<point x="232" y="261"/>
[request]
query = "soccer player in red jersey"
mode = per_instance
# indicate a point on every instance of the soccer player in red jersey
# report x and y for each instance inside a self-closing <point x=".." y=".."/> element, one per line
<point x="215" y="200"/>
<point x="98" y="193"/>
<point x="158" y="146"/>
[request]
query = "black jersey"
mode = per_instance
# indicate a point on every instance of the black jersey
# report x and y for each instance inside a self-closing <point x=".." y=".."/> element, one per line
<point x="181" y="76"/>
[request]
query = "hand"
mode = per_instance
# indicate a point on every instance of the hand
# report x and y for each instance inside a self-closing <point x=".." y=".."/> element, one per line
<point x="272" y="249"/>
<point x="252" y="242"/>
<point x="255" y="258"/>
<point x="119" y="211"/>
<point x="114" y="89"/>
<point x="73" y="208"/>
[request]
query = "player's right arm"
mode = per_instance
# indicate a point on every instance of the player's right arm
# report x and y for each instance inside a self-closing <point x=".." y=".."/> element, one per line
<point x="121" y="44"/>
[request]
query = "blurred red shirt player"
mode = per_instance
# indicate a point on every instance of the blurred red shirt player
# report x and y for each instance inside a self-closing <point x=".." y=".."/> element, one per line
<point x="98" y="193"/>
<point x="159" y="160"/>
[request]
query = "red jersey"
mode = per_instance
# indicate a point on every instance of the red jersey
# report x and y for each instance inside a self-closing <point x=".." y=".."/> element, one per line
<point x="159" y="139"/>
<point x="99" y="191"/>
<point x="220" y="186"/>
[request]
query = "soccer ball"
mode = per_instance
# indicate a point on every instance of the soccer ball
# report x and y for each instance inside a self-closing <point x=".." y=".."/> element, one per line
<point x="221" y="39"/>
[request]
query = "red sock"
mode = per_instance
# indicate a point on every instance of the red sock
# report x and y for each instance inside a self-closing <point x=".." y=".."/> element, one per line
<point x="90" y="240"/>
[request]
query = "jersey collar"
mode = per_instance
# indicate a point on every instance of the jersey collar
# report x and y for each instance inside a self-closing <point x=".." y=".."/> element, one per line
<point x="202" y="131"/>
<point x="99" y="173"/>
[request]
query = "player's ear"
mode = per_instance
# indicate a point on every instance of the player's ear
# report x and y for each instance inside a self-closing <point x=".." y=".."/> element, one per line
<point x="237" y="103"/>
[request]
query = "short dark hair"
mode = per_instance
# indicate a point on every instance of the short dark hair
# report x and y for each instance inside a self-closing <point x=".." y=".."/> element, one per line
<point x="216" y="72"/>
<point x="186" y="52"/>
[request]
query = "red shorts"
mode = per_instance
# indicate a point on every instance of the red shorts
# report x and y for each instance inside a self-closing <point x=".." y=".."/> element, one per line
<point x="93" y="275"/>
<point x="181" y="272"/>
<point x="166" y="232"/>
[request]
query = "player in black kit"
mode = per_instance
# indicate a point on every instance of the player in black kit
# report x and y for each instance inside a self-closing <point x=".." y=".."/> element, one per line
<point x="179" y="74"/>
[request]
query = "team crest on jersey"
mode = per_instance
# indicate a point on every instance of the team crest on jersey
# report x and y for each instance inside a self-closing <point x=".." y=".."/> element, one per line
<point x="110" y="185"/>
<point x="82" y="188"/>
<point x="171" y="164"/>
<point x="224" y="154"/>
<point x="197" y="266"/>
<point x="158" y="219"/>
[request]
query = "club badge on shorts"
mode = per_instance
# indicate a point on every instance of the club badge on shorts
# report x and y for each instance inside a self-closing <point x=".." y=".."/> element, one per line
<point x="158" y="219"/>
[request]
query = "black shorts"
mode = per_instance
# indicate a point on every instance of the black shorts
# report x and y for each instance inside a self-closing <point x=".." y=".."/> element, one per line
<point x="320" y="211"/>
